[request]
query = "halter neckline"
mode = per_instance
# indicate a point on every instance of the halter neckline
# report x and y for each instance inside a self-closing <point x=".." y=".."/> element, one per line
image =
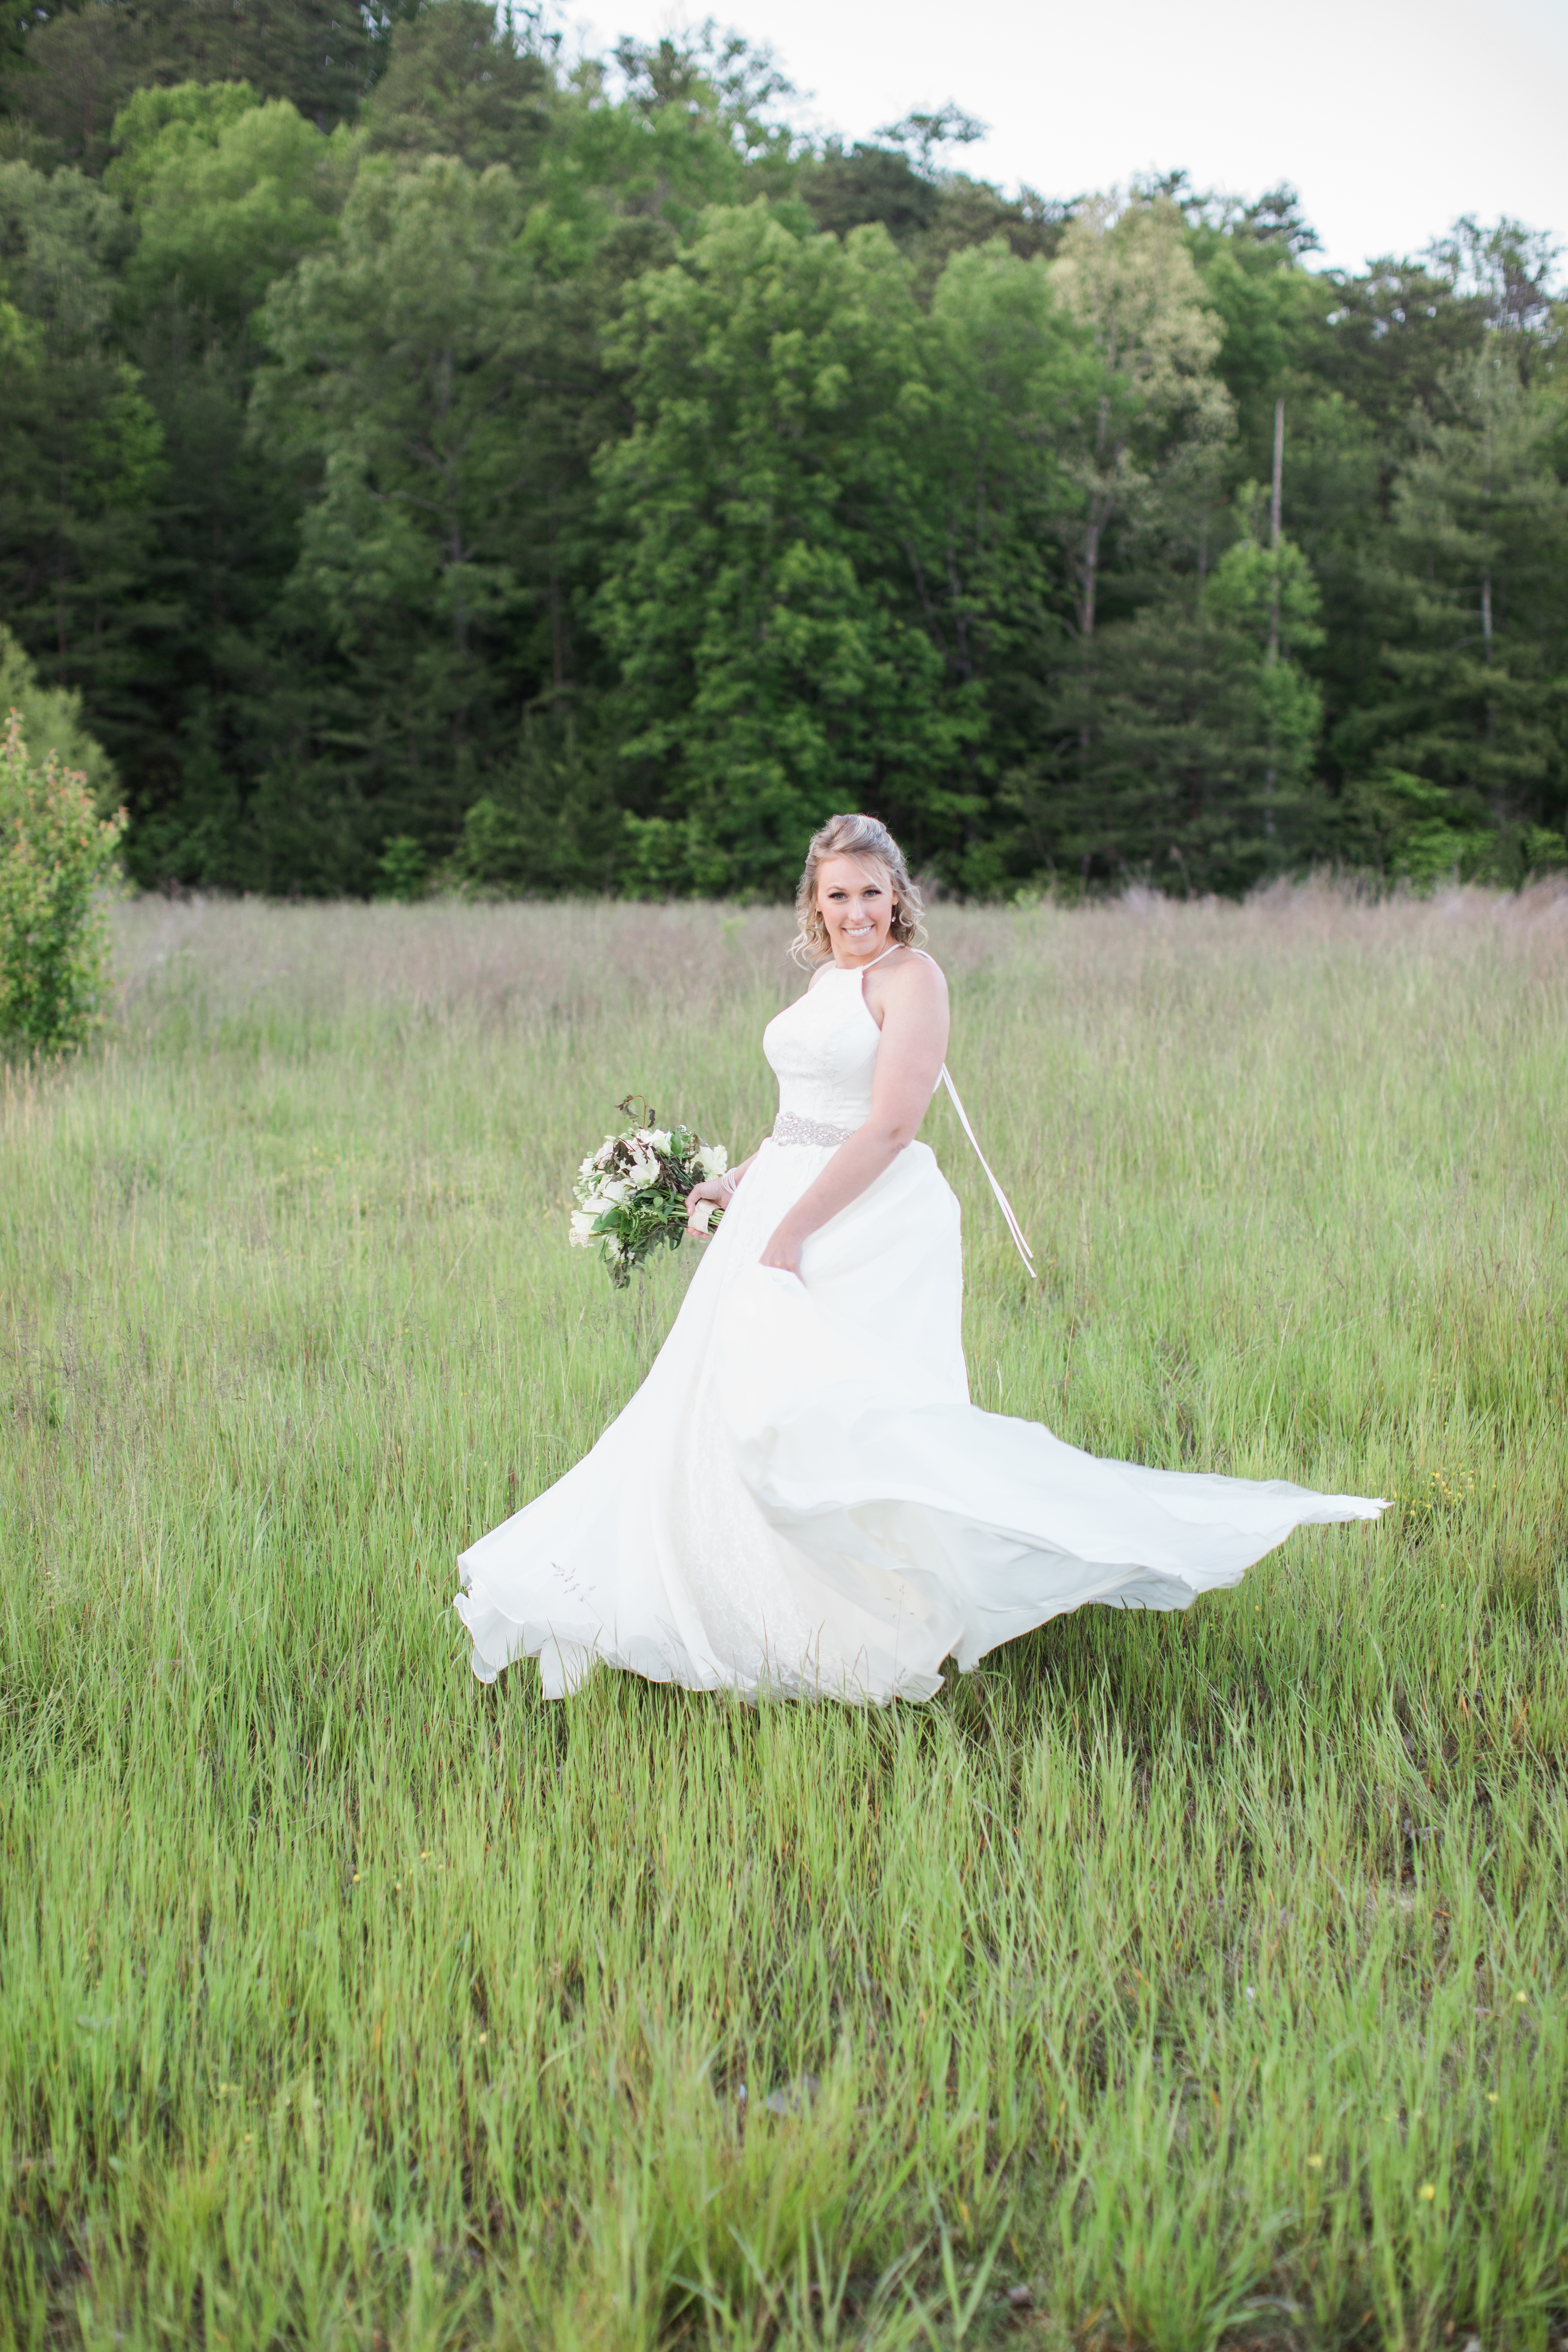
<point x="861" y="969"/>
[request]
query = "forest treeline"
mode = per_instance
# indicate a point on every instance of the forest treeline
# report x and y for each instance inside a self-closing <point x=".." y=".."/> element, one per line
<point x="421" y="454"/>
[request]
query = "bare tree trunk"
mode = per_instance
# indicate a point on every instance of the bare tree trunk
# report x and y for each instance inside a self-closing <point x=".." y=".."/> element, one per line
<point x="557" y="663"/>
<point x="1274" y="504"/>
<point x="1274" y="526"/>
<point x="1091" y="573"/>
<point x="1486" y="583"/>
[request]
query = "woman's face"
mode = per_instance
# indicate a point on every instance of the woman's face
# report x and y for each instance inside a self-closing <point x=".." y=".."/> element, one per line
<point x="855" y="899"/>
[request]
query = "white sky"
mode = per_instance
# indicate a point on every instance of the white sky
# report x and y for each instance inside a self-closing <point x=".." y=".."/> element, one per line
<point x="1391" y="117"/>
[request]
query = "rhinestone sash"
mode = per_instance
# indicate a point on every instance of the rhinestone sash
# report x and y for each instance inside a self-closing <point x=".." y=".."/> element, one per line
<point x="789" y="1128"/>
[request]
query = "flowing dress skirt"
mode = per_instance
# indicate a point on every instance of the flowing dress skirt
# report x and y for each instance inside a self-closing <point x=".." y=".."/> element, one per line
<point x="800" y="1500"/>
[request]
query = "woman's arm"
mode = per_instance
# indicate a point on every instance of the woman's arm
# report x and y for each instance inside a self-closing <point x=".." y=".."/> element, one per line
<point x="720" y="1190"/>
<point x="909" y="1064"/>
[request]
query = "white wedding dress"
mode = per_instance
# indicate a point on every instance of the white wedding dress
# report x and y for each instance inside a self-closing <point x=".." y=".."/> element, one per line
<point x="800" y="1500"/>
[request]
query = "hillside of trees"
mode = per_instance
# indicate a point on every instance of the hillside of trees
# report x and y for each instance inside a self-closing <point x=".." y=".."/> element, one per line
<point x="422" y="456"/>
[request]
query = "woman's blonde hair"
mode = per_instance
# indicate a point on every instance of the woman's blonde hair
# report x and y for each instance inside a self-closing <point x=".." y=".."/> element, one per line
<point x="855" y="836"/>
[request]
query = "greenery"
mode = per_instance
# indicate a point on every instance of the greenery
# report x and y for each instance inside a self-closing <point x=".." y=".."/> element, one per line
<point x="1203" y="1976"/>
<point x="52" y="721"/>
<point x="55" y="856"/>
<point x="427" y="459"/>
<point x="633" y="1193"/>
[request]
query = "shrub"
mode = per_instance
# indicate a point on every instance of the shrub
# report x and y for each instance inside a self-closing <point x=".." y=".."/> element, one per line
<point x="55" y="854"/>
<point x="52" y="721"/>
<point x="404" y="869"/>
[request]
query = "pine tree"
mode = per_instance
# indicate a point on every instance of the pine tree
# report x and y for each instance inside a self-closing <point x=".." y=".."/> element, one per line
<point x="1476" y="605"/>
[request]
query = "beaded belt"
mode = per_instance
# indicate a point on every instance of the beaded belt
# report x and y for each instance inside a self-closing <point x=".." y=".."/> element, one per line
<point x="789" y="1129"/>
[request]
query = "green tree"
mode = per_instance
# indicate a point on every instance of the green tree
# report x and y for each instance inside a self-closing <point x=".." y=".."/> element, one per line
<point x="55" y="855"/>
<point x="227" y="194"/>
<point x="80" y="450"/>
<point x="78" y="66"/>
<point x="412" y="365"/>
<point x="930" y="212"/>
<point x="459" y="82"/>
<point x="1185" y="741"/>
<point x="1124" y="273"/>
<point x="756" y="579"/>
<point x="51" y="721"/>
<point x="991" y="486"/>
<point x="1475" y="655"/>
<point x="1365" y="362"/>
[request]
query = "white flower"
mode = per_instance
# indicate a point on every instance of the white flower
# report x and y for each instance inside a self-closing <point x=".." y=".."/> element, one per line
<point x="583" y="1222"/>
<point x="645" y="1169"/>
<point x="588" y="1166"/>
<point x="712" y="1158"/>
<point x="658" y="1137"/>
<point x="611" y="1194"/>
<point x="606" y="1153"/>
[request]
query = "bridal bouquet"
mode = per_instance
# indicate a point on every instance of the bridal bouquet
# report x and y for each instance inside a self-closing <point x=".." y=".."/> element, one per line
<point x="631" y="1193"/>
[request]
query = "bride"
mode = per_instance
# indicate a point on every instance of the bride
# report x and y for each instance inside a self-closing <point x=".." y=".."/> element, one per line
<point x="800" y="1500"/>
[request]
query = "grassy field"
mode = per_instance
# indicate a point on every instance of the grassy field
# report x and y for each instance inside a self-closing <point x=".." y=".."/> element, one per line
<point x="1170" y="1980"/>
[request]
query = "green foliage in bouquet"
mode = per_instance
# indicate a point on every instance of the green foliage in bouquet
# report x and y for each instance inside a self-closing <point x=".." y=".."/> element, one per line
<point x="632" y="1192"/>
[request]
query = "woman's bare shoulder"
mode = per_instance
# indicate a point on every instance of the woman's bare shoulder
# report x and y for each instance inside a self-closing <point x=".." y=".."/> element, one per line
<point x="911" y="967"/>
<point x="910" y="978"/>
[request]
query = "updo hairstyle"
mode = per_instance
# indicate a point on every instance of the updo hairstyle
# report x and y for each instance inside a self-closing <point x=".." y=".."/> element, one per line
<point x="855" y="836"/>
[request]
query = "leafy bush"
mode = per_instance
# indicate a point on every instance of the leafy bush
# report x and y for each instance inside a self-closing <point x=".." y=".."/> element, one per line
<point x="52" y="721"/>
<point x="404" y="869"/>
<point x="1408" y="830"/>
<point x="54" y="852"/>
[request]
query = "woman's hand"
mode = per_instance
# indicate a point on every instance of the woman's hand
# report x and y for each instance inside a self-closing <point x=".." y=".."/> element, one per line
<point x="713" y="1189"/>
<point x="783" y="1251"/>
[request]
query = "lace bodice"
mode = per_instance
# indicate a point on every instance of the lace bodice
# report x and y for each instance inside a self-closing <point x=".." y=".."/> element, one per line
<point x="823" y="1051"/>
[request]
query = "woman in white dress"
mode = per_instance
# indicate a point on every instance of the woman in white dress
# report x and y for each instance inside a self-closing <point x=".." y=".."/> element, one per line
<point x="800" y="1500"/>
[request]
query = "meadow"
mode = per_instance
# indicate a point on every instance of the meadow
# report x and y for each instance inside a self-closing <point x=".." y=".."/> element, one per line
<point x="1171" y="1980"/>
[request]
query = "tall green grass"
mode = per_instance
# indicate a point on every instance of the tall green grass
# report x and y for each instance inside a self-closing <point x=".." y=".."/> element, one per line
<point x="1170" y="1980"/>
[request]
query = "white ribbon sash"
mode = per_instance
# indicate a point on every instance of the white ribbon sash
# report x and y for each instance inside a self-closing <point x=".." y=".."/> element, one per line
<point x="1014" y="1227"/>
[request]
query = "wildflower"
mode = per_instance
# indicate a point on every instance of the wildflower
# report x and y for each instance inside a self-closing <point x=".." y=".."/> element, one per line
<point x="1428" y="2190"/>
<point x="1316" y="2163"/>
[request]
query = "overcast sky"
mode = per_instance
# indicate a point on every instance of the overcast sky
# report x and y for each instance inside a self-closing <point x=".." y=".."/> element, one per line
<point x="1391" y="117"/>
